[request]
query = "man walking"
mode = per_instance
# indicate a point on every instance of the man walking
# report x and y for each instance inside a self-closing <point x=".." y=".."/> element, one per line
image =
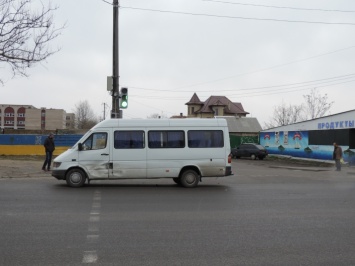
<point x="49" y="147"/>
<point x="337" y="155"/>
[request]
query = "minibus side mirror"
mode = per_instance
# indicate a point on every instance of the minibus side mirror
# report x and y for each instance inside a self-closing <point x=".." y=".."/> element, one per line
<point x="80" y="146"/>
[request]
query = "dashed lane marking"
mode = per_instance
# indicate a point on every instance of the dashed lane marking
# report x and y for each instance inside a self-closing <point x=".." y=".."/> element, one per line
<point x="91" y="256"/>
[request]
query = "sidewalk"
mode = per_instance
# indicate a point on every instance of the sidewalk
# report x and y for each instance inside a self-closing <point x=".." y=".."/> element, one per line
<point x="346" y="169"/>
<point x="313" y="165"/>
<point x="20" y="168"/>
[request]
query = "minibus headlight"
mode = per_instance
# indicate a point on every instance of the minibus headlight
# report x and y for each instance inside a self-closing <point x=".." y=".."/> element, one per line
<point x="56" y="164"/>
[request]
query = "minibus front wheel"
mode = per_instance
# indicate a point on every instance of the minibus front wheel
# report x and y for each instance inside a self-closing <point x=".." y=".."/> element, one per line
<point x="189" y="178"/>
<point x="75" y="177"/>
<point x="177" y="180"/>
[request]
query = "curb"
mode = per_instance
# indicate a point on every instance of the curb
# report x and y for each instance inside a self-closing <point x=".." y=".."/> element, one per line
<point x="301" y="168"/>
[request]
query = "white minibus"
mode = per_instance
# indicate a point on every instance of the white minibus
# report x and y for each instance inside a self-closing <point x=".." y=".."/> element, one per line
<point x="184" y="150"/>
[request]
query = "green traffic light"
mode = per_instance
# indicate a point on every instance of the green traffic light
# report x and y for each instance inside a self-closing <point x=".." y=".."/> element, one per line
<point x="124" y="101"/>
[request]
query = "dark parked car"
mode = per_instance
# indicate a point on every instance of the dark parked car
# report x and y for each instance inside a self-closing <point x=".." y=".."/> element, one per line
<point x="251" y="150"/>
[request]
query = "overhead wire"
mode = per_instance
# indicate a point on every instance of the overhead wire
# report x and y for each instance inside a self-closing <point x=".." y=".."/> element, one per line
<point x="107" y="2"/>
<point x="275" y="91"/>
<point x="260" y="70"/>
<point x="238" y="17"/>
<point x="253" y="88"/>
<point x="281" y="7"/>
<point x="271" y="90"/>
<point x="251" y="72"/>
<point x="244" y="95"/>
<point x="292" y="89"/>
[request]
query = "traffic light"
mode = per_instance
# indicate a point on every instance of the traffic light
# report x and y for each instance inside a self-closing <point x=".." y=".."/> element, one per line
<point x="124" y="98"/>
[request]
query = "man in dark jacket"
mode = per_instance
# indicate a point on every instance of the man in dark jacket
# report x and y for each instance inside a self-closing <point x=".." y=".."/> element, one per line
<point x="49" y="147"/>
<point x="337" y="155"/>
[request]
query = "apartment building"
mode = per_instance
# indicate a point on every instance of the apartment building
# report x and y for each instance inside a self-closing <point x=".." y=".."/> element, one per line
<point x="32" y="118"/>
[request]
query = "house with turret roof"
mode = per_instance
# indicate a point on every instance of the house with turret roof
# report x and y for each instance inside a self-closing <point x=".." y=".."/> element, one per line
<point x="214" y="106"/>
<point x="242" y="129"/>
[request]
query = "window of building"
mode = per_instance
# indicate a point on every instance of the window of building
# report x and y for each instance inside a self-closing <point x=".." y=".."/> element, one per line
<point x="205" y="138"/>
<point x="129" y="139"/>
<point x="166" y="139"/>
<point x="328" y="137"/>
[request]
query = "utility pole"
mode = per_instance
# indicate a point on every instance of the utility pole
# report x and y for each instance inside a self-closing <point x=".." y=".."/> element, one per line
<point x="104" y="111"/>
<point x="115" y="113"/>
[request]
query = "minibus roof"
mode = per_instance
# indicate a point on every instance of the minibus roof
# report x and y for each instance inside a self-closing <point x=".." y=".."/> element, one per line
<point x="181" y="122"/>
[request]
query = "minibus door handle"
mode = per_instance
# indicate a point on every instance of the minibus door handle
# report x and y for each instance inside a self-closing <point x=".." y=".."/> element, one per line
<point x="104" y="154"/>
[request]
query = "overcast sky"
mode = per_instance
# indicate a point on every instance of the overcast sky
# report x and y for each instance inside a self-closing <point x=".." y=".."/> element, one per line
<point x="260" y="53"/>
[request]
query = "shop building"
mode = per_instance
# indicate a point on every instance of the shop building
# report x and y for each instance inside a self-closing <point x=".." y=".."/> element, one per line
<point x="313" y="138"/>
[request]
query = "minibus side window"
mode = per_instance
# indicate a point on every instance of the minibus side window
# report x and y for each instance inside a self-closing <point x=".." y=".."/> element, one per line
<point x="129" y="139"/>
<point x="96" y="141"/>
<point x="166" y="139"/>
<point x="205" y="138"/>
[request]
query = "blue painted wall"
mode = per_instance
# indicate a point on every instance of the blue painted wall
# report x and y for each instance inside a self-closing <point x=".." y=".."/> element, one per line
<point x="11" y="144"/>
<point x="295" y="143"/>
<point x="60" y="140"/>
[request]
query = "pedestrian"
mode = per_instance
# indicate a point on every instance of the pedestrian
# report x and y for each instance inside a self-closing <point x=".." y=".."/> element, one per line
<point x="337" y="155"/>
<point x="49" y="147"/>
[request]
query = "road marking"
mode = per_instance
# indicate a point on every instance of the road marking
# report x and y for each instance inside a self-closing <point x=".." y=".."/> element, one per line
<point x="96" y="205"/>
<point x="93" y="228"/>
<point x="92" y="239"/>
<point x="91" y="257"/>
<point x="94" y="218"/>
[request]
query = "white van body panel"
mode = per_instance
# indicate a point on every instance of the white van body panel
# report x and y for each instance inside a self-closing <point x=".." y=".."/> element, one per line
<point x="95" y="162"/>
<point x="128" y="163"/>
<point x="108" y="162"/>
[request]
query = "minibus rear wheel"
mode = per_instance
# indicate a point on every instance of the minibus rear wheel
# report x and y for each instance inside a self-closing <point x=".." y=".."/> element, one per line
<point x="189" y="178"/>
<point x="75" y="177"/>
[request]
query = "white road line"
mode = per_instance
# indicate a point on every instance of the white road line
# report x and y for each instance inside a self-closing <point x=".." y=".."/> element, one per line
<point x="94" y="218"/>
<point x="93" y="228"/>
<point x="91" y="257"/>
<point x="96" y="205"/>
<point x="92" y="239"/>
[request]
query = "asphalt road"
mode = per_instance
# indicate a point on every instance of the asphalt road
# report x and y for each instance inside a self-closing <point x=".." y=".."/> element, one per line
<point x="266" y="214"/>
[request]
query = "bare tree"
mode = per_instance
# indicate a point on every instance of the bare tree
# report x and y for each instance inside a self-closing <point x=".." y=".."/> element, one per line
<point x="284" y="115"/>
<point x="25" y="34"/>
<point x="316" y="105"/>
<point x="84" y="115"/>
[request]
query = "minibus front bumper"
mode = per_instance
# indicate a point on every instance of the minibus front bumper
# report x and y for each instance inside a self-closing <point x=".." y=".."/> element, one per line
<point x="59" y="174"/>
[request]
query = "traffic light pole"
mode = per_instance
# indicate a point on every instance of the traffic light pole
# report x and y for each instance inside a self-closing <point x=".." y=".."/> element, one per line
<point x="115" y="113"/>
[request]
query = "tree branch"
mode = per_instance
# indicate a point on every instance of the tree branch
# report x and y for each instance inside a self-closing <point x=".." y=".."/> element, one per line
<point x="25" y="35"/>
